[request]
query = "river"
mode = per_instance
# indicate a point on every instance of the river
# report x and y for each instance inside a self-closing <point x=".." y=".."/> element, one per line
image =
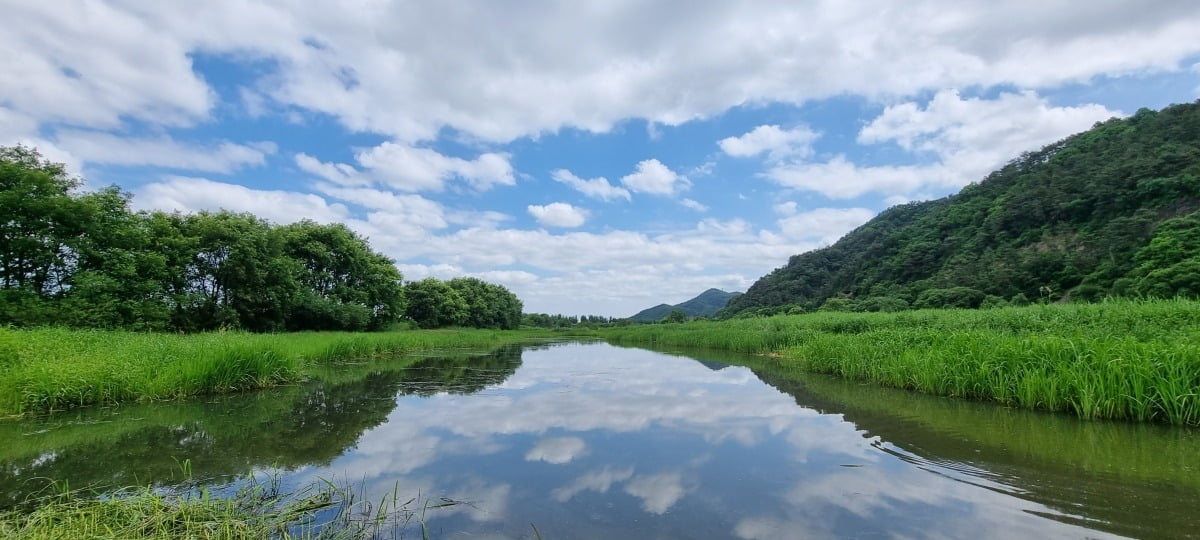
<point x="589" y="440"/>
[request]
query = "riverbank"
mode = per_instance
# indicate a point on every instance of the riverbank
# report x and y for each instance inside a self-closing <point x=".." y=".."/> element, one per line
<point x="254" y="511"/>
<point x="1128" y="360"/>
<point x="51" y="369"/>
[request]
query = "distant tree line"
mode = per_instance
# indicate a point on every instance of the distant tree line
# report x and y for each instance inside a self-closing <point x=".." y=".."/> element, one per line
<point x="1114" y="211"/>
<point x="543" y="320"/>
<point x="84" y="259"/>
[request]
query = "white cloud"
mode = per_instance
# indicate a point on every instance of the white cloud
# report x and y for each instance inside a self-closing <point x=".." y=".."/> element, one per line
<point x="558" y="214"/>
<point x="413" y="169"/>
<point x="824" y="225"/>
<point x="221" y="157"/>
<point x="694" y="205"/>
<point x="787" y="208"/>
<point x="777" y="143"/>
<point x="655" y="178"/>
<point x="338" y="173"/>
<point x="377" y="68"/>
<point x="598" y="481"/>
<point x="184" y="194"/>
<point x="415" y="210"/>
<point x="962" y="139"/>
<point x="557" y="450"/>
<point x="658" y="492"/>
<point x="597" y="188"/>
<point x="410" y="168"/>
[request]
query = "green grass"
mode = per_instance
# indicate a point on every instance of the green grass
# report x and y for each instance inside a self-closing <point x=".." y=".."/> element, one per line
<point x="43" y="370"/>
<point x="255" y="511"/>
<point x="1130" y="360"/>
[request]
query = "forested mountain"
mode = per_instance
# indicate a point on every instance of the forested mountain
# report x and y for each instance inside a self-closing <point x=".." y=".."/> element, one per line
<point x="1110" y="211"/>
<point x="707" y="303"/>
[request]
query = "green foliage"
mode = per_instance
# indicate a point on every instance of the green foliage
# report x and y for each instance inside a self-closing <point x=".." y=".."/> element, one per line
<point x="435" y="304"/>
<point x="488" y="305"/>
<point x="839" y="304"/>
<point x="86" y="260"/>
<point x="1067" y="218"/>
<point x="954" y="297"/>
<point x="54" y="368"/>
<point x="675" y="316"/>
<point x="1118" y="359"/>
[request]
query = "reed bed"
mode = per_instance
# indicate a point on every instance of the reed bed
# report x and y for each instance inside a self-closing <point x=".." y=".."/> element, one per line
<point x="1128" y="360"/>
<point x="49" y="369"/>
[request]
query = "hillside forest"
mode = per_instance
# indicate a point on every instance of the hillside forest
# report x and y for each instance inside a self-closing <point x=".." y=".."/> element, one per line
<point x="1110" y="212"/>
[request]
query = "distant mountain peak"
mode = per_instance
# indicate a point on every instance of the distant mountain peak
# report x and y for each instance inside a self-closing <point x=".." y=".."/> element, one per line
<point x="703" y="305"/>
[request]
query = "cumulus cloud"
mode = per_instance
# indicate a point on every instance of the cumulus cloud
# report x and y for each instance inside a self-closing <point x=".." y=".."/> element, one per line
<point x="960" y="140"/>
<point x="184" y="194"/>
<point x="694" y="205"/>
<point x="558" y="215"/>
<point x="597" y="188"/>
<point x="658" y="492"/>
<point x="557" y="450"/>
<point x="220" y="157"/>
<point x="824" y="225"/>
<point x="373" y="66"/>
<point x="777" y="143"/>
<point x="655" y="178"/>
<point x="412" y="169"/>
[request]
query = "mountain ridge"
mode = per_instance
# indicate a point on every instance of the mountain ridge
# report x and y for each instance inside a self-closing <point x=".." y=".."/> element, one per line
<point x="1112" y="211"/>
<point x="704" y="304"/>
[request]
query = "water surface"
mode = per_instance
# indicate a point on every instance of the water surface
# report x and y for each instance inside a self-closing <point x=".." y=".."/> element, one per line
<point x="596" y="441"/>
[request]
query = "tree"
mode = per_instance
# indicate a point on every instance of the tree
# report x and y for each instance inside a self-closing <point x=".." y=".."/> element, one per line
<point x="434" y="304"/>
<point x="675" y="316"/>
<point x="346" y="286"/>
<point x="488" y="305"/>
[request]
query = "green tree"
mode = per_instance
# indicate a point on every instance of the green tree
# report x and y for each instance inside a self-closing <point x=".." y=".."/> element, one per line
<point x="434" y="304"/>
<point x="488" y="305"/>
<point x="675" y="316"/>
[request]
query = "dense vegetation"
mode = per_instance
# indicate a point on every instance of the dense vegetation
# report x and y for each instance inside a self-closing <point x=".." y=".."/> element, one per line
<point x="1136" y="360"/>
<point x="49" y="369"/>
<point x="84" y="259"/>
<point x="703" y="305"/>
<point x="1108" y="212"/>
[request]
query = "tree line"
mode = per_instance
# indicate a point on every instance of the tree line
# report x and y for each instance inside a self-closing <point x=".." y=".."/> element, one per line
<point x="85" y="259"/>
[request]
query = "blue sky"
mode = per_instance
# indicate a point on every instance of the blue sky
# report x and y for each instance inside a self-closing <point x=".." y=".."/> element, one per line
<point x="596" y="157"/>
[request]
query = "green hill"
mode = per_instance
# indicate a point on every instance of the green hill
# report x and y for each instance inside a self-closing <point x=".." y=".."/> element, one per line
<point x="704" y="305"/>
<point x="1110" y="211"/>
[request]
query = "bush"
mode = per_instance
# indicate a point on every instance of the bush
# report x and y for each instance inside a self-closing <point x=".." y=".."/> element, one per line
<point x="954" y="297"/>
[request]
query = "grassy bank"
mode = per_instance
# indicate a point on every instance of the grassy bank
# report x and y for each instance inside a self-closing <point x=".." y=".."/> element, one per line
<point x="1122" y="360"/>
<point x="51" y="369"/>
<point x="255" y="511"/>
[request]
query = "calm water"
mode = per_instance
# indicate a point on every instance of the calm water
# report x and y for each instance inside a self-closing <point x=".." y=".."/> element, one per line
<point x="595" y="441"/>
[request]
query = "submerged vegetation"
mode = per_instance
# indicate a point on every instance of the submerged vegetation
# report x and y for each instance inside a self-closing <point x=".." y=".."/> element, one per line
<point x="1133" y="360"/>
<point x="53" y="369"/>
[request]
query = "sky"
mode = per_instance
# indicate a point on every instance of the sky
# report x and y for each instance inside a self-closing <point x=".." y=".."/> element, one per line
<point x="593" y="156"/>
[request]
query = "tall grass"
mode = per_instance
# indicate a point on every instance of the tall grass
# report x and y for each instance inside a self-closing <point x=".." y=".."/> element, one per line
<point x="1133" y="360"/>
<point x="255" y="511"/>
<point x="50" y="369"/>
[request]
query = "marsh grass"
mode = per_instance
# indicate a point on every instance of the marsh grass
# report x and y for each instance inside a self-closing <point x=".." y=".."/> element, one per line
<point x="50" y="369"/>
<point x="1131" y="360"/>
<point x="259" y="509"/>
